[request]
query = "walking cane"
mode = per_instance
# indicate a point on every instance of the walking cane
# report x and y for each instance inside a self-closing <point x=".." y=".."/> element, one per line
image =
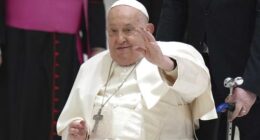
<point x="231" y="84"/>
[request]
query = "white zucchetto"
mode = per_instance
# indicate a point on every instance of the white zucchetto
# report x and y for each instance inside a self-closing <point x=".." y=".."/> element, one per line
<point x="133" y="3"/>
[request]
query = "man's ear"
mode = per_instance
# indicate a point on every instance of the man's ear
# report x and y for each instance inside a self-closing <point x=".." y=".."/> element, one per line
<point x="150" y="27"/>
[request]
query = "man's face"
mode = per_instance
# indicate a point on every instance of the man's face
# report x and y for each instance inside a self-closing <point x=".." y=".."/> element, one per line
<point x="124" y="37"/>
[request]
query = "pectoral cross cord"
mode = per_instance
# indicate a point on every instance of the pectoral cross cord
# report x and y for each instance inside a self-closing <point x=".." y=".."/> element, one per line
<point x="98" y="117"/>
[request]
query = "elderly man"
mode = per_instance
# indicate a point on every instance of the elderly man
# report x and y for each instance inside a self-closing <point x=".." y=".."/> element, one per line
<point x="140" y="89"/>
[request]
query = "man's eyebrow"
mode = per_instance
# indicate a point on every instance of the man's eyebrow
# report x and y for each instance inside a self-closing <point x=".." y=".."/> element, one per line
<point x="129" y="25"/>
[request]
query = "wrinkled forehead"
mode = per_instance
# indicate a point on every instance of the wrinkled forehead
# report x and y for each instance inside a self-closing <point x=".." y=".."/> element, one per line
<point x="132" y="3"/>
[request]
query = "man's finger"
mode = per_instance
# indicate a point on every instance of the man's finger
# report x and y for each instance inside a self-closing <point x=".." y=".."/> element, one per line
<point x="243" y="112"/>
<point x="236" y="112"/>
<point x="141" y="32"/>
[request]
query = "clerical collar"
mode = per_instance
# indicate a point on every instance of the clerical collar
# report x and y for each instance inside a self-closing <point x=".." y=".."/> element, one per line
<point x="128" y="66"/>
<point x="122" y="70"/>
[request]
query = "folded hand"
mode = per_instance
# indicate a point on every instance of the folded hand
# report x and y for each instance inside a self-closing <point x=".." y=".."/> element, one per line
<point x="77" y="130"/>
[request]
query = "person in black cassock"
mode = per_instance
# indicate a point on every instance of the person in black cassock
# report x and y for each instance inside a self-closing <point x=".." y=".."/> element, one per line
<point x="42" y="51"/>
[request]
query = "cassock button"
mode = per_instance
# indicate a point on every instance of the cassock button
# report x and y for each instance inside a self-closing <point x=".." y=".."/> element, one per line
<point x="56" y="88"/>
<point x="55" y="100"/>
<point x="56" y="53"/>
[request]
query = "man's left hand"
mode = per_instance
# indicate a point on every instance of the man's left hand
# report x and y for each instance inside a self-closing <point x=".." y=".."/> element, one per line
<point x="152" y="52"/>
<point x="243" y="101"/>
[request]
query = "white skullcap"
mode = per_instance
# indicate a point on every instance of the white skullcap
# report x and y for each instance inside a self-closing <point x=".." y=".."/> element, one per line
<point x="133" y="3"/>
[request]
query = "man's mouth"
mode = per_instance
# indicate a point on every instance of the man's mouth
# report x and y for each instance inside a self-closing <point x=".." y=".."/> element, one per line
<point x="123" y="47"/>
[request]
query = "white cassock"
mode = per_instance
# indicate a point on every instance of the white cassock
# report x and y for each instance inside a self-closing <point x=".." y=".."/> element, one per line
<point x="147" y="106"/>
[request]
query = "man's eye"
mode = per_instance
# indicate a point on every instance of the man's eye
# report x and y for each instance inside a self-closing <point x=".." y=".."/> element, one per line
<point x="128" y="30"/>
<point x="113" y="31"/>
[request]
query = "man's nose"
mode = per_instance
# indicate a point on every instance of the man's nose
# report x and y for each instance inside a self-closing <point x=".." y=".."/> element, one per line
<point x="121" y="38"/>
